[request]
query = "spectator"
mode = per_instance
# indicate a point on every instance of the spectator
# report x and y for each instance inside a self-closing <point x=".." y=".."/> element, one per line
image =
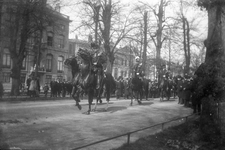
<point x="38" y="89"/>
<point x="46" y="88"/>
<point x="28" y="84"/>
<point x="32" y="87"/>
<point x="63" y="86"/>
<point x="1" y="90"/>
<point x="122" y="87"/>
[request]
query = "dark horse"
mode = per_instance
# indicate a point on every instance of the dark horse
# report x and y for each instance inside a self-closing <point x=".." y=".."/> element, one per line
<point x="146" y="84"/>
<point x="165" y="86"/>
<point x="136" y="86"/>
<point x="105" y="85"/>
<point x="87" y="80"/>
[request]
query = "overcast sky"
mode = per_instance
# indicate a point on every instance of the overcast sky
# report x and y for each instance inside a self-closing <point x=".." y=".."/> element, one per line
<point x="70" y="9"/>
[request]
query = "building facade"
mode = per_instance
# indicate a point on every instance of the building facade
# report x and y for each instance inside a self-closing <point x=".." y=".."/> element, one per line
<point x="53" y="51"/>
<point x="123" y="63"/>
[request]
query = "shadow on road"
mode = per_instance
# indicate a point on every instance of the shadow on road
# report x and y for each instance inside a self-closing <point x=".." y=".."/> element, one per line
<point x="146" y="103"/>
<point x="171" y="99"/>
<point x="116" y="108"/>
<point x="112" y="109"/>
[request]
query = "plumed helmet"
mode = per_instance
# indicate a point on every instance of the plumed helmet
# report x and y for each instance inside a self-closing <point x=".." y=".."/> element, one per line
<point x="137" y="58"/>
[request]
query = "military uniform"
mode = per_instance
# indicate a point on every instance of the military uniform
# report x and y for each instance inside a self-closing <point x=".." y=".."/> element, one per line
<point x="138" y="69"/>
<point x="196" y="95"/>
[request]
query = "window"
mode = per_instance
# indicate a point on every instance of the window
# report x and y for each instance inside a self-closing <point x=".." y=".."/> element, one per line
<point x="122" y="61"/>
<point x="60" y="78"/>
<point x="60" y="64"/>
<point x="62" y="27"/>
<point x="22" y="78"/>
<point x="24" y="64"/>
<point x="121" y="73"/>
<point x="116" y="73"/>
<point x="70" y="49"/>
<point x="6" y="59"/>
<point x="125" y="62"/>
<point x="125" y="73"/>
<point x="49" y="63"/>
<point x="50" y="39"/>
<point x="6" y="77"/>
<point x="61" y="41"/>
<point x="48" y="79"/>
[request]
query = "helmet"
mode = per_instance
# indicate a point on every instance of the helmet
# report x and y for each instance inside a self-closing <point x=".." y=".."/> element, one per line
<point x="137" y="58"/>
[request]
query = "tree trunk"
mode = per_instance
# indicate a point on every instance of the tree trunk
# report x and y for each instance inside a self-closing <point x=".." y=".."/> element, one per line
<point x="159" y="40"/>
<point x="215" y="51"/>
<point x="110" y="58"/>
<point x="184" y="41"/>
<point x="15" y="75"/>
<point x="188" y="57"/>
<point x="145" y="42"/>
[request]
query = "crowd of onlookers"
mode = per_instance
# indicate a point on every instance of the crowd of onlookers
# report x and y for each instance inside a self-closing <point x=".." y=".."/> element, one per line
<point x="181" y="88"/>
<point x="1" y="90"/>
<point x="55" y="88"/>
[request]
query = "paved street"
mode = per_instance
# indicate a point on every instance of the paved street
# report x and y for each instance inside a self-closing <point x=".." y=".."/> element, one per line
<point x="59" y="125"/>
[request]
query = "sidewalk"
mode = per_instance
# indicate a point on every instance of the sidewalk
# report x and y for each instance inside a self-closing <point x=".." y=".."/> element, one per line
<point x="24" y="97"/>
<point x="27" y="98"/>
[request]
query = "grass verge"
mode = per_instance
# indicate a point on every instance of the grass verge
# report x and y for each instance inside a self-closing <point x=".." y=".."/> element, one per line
<point x="186" y="136"/>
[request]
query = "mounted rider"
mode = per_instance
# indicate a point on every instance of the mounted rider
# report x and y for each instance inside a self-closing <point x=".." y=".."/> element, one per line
<point x="96" y="53"/>
<point x="138" y="68"/>
<point x="98" y="60"/>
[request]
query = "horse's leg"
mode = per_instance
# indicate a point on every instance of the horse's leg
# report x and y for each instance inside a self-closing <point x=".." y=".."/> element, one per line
<point x="95" y="107"/>
<point x="131" y="100"/>
<point x="162" y="95"/>
<point x="75" y="96"/>
<point x="140" y="96"/>
<point x="90" y="99"/>
<point x="96" y="102"/>
<point x="169" y="94"/>
<point x="108" y="89"/>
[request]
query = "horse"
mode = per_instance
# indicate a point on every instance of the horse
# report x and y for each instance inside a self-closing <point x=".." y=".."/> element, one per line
<point x="136" y="86"/>
<point x="88" y="79"/>
<point x="146" y="84"/>
<point x="165" y="87"/>
<point x="84" y="79"/>
<point x="107" y="84"/>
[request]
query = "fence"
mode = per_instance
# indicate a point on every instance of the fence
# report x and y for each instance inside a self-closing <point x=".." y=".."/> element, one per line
<point x="129" y="133"/>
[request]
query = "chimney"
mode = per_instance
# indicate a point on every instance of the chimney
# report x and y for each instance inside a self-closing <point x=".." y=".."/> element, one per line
<point x="58" y="7"/>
